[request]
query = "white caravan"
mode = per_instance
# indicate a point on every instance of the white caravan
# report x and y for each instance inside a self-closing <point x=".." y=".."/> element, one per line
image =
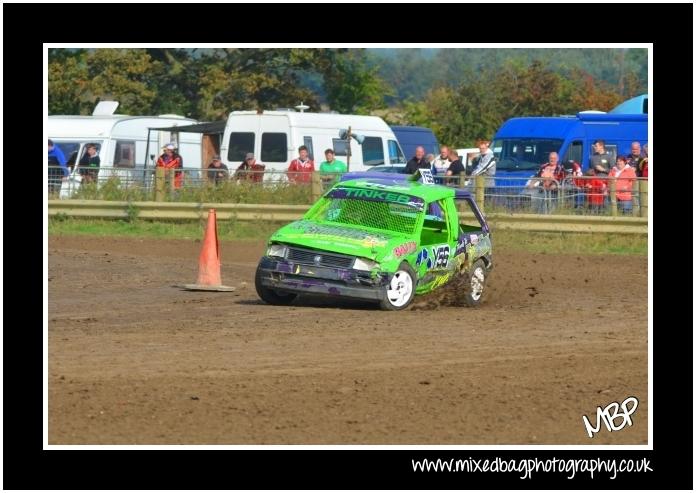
<point x="275" y="136"/>
<point x="122" y="140"/>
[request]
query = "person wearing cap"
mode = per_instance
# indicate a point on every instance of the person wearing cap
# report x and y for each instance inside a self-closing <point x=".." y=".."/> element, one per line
<point x="170" y="159"/>
<point x="625" y="176"/>
<point x="601" y="161"/>
<point x="249" y="169"/>
<point x="217" y="171"/>
<point x="301" y="168"/>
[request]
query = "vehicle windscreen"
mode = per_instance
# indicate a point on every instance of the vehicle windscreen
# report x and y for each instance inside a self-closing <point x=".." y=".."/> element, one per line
<point x="388" y="215"/>
<point x="523" y="154"/>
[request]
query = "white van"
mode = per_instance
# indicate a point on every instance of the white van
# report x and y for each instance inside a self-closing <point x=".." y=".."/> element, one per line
<point x="122" y="140"/>
<point x="275" y="136"/>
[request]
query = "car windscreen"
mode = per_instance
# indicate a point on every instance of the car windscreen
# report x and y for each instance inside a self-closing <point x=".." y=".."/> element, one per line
<point x="387" y="215"/>
<point x="514" y="154"/>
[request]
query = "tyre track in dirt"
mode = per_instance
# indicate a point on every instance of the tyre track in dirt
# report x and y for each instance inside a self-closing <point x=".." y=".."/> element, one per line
<point x="134" y="360"/>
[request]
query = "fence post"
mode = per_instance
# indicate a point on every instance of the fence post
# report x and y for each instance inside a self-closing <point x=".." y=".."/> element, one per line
<point x="317" y="188"/>
<point x="635" y="195"/>
<point x="612" y="197"/>
<point x="643" y="184"/>
<point x="172" y="181"/>
<point x="159" y="184"/>
<point x="480" y="181"/>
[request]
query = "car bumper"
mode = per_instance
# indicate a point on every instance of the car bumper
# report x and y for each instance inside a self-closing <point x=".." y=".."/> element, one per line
<point x="284" y="275"/>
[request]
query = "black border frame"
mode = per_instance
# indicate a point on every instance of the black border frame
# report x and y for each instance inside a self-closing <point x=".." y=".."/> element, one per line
<point x="26" y="465"/>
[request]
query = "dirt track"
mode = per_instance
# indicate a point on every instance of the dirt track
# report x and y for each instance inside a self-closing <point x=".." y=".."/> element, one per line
<point x="133" y="360"/>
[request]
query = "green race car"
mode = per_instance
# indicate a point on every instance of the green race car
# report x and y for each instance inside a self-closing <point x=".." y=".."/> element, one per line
<point x="380" y="237"/>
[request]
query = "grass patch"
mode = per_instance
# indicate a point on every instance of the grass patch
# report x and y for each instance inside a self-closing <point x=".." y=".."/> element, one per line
<point x="227" y="229"/>
<point x="570" y="243"/>
<point x="230" y="192"/>
<point x="503" y="240"/>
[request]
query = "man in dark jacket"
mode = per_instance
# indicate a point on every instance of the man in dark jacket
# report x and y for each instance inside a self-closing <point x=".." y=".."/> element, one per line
<point x="417" y="162"/>
<point x="89" y="164"/>
<point x="217" y="171"/>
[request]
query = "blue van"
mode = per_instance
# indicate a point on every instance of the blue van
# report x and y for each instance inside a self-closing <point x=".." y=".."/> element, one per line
<point x="411" y="137"/>
<point x="521" y="145"/>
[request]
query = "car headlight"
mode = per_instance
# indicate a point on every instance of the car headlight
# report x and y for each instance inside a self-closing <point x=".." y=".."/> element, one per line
<point x="277" y="251"/>
<point x="364" y="264"/>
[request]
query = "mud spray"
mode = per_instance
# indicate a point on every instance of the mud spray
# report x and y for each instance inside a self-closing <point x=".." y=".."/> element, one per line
<point x="451" y="294"/>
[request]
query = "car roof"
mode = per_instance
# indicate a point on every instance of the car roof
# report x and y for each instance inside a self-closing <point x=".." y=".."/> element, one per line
<point x="391" y="182"/>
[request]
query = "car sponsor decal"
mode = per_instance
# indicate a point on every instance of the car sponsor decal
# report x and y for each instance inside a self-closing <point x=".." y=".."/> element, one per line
<point x="405" y="249"/>
<point x="366" y="238"/>
<point x="437" y="257"/>
<point x="377" y="196"/>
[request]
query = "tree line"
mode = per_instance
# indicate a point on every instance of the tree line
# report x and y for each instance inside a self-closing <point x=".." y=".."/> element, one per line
<point x="462" y="94"/>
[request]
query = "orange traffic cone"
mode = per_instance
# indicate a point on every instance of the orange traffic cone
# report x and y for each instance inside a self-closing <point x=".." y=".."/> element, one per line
<point x="209" y="260"/>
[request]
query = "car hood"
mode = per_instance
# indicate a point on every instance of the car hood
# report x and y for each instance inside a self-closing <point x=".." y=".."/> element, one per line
<point x="340" y="238"/>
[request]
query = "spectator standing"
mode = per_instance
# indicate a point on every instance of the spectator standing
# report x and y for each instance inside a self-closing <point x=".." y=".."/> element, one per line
<point x="217" y="171"/>
<point x="170" y="159"/>
<point x="331" y="168"/>
<point x="89" y="164"/>
<point x="551" y="173"/>
<point x="643" y="170"/>
<point x="332" y="165"/>
<point x="443" y="161"/>
<point x="456" y="167"/>
<point x="301" y="168"/>
<point x="595" y="191"/>
<point x="485" y="163"/>
<point x="625" y="176"/>
<point x="249" y="169"/>
<point x="635" y="159"/>
<point x="417" y="162"/>
<point x="601" y="161"/>
<point x="543" y="187"/>
<point x="57" y="166"/>
<point x="431" y="159"/>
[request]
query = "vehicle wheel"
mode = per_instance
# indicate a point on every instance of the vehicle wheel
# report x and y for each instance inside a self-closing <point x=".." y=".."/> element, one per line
<point x="477" y="283"/>
<point x="401" y="289"/>
<point x="271" y="296"/>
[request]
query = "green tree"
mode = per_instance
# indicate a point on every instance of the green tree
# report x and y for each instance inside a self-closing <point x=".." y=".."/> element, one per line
<point x="68" y="79"/>
<point x="352" y="86"/>
<point x="79" y="80"/>
<point x="476" y="108"/>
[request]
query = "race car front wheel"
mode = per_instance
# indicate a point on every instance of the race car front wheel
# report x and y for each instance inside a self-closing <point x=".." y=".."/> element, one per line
<point x="477" y="283"/>
<point x="271" y="296"/>
<point x="401" y="289"/>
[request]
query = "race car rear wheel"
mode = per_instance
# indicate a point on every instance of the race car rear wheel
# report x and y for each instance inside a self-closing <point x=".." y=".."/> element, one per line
<point x="401" y="289"/>
<point x="477" y="283"/>
<point x="271" y="296"/>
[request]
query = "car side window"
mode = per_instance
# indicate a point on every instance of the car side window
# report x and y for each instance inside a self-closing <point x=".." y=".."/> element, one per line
<point x="435" y="227"/>
<point x="468" y="224"/>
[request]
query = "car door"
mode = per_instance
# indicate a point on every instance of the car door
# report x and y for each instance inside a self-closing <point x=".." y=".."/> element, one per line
<point x="433" y="260"/>
<point x="473" y="237"/>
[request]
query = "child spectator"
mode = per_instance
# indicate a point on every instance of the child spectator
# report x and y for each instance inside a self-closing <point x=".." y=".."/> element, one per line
<point x="595" y="192"/>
